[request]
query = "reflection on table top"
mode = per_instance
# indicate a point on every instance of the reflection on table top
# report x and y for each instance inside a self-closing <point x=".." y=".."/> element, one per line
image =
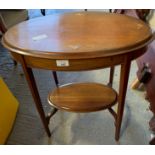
<point x="79" y="34"/>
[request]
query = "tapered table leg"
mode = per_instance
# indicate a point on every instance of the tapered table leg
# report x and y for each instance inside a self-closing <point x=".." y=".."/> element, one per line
<point x="124" y="75"/>
<point x="112" y="69"/>
<point x="14" y="62"/>
<point x="55" y="78"/>
<point x="33" y="87"/>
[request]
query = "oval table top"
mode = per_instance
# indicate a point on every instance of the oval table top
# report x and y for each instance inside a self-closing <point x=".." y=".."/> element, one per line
<point x="77" y="35"/>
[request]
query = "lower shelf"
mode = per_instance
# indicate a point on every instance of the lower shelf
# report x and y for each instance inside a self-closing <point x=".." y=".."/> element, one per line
<point x="83" y="97"/>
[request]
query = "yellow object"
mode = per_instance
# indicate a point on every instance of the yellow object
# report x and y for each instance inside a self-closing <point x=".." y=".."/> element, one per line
<point x="8" y="110"/>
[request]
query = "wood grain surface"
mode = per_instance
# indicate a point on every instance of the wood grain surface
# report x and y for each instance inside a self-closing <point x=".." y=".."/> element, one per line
<point x="83" y="97"/>
<point x="77" y="35"/>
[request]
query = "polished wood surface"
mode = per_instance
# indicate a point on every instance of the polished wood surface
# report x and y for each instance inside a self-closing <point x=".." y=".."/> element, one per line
<point x="86" y="41"/>
<point x="80" y="64"/>
<point x="33" y="88"/>
<point x="124" y="76"/>
<point x="77" y="35"/>
<point x="83" y="97"/>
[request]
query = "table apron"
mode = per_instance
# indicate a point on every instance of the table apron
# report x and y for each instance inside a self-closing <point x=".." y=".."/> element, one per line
<point x="78" y="64"/>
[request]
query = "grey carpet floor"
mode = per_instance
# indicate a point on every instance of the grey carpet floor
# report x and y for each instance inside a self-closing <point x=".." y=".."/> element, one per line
<point x="95" y="128"/>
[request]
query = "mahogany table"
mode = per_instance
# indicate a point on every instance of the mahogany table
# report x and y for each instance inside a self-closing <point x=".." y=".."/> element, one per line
<point x="77" y="42"/>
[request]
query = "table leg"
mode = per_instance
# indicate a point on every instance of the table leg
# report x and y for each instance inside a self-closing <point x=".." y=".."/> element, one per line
<point x="112" y="69"/>
<point x="124" y="75"/>
<point x="14" y="62"/>
<point x="33" y="87"/>
<point x="55" y="78"/>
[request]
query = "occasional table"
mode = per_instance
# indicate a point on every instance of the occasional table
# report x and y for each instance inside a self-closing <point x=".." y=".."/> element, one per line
<point x="77" y="42"/>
